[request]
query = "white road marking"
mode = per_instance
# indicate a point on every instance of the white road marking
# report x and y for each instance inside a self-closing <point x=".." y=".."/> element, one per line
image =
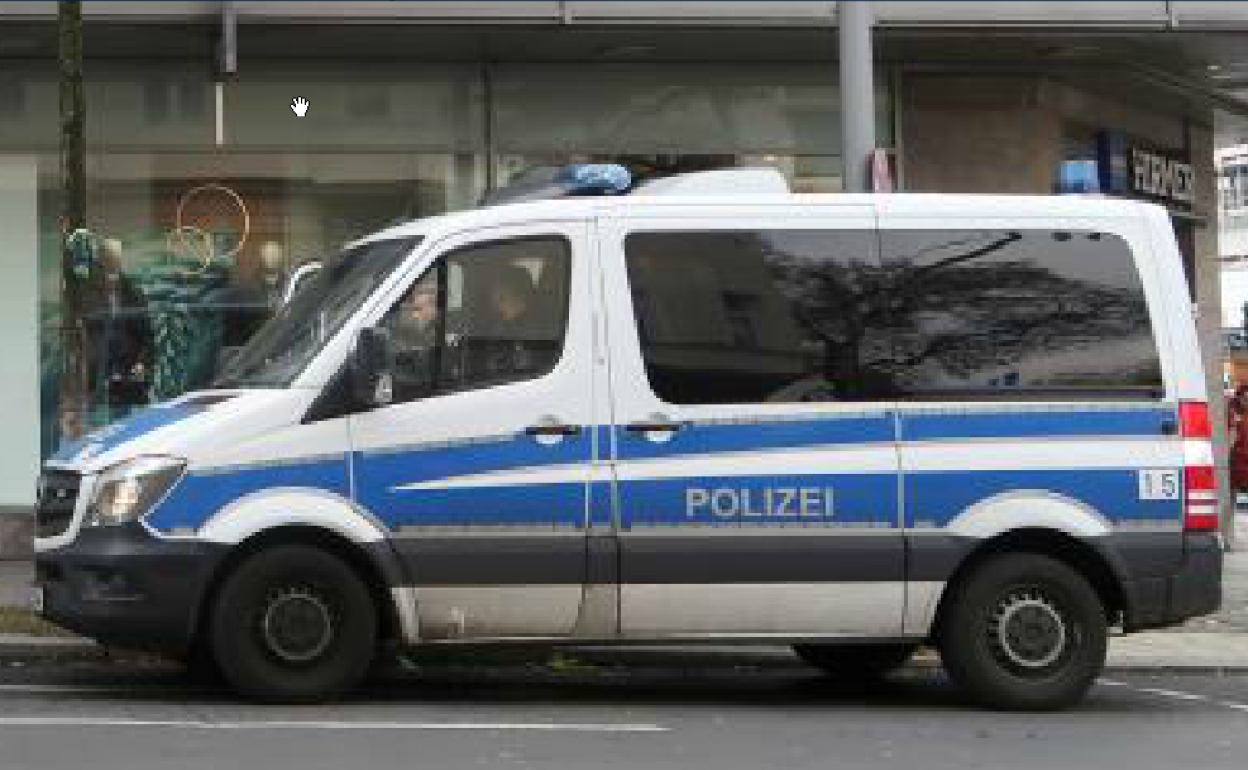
<point x="199" y="724"/>
<point x="1228" y="704"/>
<point x="1176" y="695"/>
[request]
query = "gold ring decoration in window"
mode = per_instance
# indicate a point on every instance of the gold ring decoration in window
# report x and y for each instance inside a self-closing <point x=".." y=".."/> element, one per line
<point x="192" y="243"/>
<point x="215" y="207"/>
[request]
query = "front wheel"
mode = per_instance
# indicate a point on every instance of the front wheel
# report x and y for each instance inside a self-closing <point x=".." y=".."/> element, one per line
<point x="1023" y="632"/>
<point x="293" y="624"/>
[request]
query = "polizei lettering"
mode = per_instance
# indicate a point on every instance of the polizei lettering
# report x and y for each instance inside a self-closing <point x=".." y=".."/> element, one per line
<point x="764" y="503"/>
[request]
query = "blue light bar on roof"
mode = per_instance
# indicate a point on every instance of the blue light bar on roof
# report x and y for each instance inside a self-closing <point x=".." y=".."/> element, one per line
<point x="601" y="178"/>
<point x="551" y="182"/>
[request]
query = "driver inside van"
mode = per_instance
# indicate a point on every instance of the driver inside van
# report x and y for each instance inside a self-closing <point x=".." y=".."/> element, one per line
<point x="511" y="326"/>
<point x="500" y="332"/>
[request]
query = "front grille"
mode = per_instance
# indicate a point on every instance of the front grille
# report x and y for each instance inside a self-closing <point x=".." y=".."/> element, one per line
<point x="58" y="493"/>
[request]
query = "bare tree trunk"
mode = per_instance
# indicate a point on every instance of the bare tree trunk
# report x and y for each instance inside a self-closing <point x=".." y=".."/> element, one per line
<point x="73" y="378"/>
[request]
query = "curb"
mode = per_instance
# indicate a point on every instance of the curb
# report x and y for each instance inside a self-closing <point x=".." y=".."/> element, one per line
<point x="16" y="533"/>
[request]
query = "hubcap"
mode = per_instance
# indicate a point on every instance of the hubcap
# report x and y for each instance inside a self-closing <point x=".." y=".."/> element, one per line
<point x="1028" y="631"/>
<point x="297" y="625"/>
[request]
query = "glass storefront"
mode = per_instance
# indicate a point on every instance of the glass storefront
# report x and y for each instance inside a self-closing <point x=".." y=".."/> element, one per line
<point x="198" y="226"/>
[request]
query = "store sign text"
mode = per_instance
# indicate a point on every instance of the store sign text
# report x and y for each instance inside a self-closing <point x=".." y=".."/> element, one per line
<point x="1161" y="177"/>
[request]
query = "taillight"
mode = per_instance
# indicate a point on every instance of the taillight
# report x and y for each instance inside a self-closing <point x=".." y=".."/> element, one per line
<point x="1200" y="481"/>
<point x="1194" y="420"/>
<point x="1200" y="498"/>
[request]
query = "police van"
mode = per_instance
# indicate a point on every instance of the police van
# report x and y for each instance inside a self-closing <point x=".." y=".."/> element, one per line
<point x="696" y="409"/>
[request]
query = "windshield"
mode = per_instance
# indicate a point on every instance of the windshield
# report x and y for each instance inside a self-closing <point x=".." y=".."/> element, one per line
<point x="288" y="342"/>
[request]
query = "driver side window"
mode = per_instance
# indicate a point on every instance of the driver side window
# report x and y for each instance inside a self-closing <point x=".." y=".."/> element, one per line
<point x="484" y="315"/>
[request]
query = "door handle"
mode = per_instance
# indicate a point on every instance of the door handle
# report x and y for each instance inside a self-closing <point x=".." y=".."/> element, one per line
<point x="552" y="429"/>
<point x="654" y="426"/>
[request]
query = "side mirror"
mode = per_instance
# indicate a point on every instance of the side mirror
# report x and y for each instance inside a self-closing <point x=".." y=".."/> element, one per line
<point x="372" y="368"/>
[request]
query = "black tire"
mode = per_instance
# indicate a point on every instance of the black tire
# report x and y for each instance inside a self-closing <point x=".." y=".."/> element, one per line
<point x="293" y="624"/>
<point x="1023" y="632"/>
<point x="198" y="665"/>
<point x="855" y="662"/>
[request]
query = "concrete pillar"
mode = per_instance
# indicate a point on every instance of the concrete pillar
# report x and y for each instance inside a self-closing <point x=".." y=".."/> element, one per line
<point x="1208" y="279"/>
<point x="19" y="341"/>
<point x="854" y="22"/>
<point x="978" y="134"/>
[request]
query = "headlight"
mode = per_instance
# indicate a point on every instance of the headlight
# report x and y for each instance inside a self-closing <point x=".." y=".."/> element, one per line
<point x="128" y="490"/>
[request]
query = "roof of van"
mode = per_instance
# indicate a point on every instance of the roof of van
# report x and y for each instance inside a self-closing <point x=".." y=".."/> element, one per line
<point x="761" y="187"/>
<point x="935" y="205"/>
<point x="766" y="189"/>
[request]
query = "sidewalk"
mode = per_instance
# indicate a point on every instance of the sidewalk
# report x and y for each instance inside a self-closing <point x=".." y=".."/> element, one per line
<point x="15" y="578"/>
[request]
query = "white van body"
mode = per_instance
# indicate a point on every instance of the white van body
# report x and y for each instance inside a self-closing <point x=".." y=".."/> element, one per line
<point x="580" y="505"/>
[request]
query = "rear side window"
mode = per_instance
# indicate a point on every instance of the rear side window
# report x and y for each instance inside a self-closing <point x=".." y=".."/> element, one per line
<point x="776" y="316"/>
<point x="1017" y="313"/>
<point x="783" y="316"/>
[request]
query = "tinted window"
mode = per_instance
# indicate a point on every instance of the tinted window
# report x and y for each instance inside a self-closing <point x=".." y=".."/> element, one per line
<point x="1020" y="313"/>
<point x="750" y="317"/>
<point x="484" y="315"/>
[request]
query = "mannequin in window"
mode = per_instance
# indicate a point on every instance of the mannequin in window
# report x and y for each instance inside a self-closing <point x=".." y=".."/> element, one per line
<point x="120" y="362"/>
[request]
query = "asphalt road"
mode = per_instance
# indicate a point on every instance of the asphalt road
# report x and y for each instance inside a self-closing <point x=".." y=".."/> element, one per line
<point x="691" y="714"/>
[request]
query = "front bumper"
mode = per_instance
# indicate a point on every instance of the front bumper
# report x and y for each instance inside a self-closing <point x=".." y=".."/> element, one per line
<point x="1196" y="589"/>
<point x="125" y="587"/>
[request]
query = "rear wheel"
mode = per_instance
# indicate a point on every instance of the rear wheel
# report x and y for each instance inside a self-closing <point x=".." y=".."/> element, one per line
<point x="293" y="624"/>
<point x="855" y="662"/>
<point x="1024" y="632"/>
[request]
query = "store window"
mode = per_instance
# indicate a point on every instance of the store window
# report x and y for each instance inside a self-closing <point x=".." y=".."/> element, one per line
<point x="672" y="118"/>
<point x="1233" y="186"/>
<point x="194" y="237"/>
<point x="197" y="249"/>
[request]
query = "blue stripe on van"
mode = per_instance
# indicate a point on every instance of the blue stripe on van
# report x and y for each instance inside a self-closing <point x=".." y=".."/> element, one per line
<point x="1037" y="424"/>
<point x="555" y="505"/>
<point x="706" y="438"/>
<point x="936" y="498"/>
<point x="197" y="497"/>
<point x="860" y="498"/>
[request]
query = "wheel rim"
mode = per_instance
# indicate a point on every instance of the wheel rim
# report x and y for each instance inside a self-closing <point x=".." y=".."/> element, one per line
<point x="297" y="625"/>
<point x="1028" y="631"/>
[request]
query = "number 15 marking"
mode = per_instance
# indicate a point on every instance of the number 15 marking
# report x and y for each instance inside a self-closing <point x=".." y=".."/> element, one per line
<point x="1159" y="484"/>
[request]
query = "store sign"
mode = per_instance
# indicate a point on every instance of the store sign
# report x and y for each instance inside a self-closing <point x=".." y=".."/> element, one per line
<point x="1159" y="176"/>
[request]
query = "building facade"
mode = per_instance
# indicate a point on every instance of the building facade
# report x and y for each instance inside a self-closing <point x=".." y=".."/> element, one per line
<point x="1232" y="169"/>
<point x="206" y="188"/>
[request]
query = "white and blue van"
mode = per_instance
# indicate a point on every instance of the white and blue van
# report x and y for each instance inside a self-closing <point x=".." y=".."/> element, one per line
<point x="703" y="409"/>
